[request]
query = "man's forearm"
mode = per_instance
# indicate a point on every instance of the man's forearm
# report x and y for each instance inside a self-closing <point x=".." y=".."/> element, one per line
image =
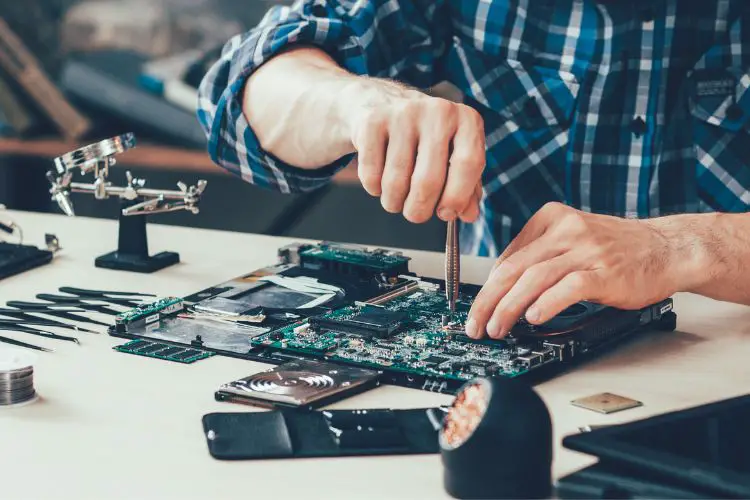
<point x="711" y="253"/>
<point x="294" y="104"/>
<point x="421" y="155"/>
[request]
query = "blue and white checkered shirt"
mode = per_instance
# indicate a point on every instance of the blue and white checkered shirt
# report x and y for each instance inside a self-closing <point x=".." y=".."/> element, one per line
<point x="633" y="108"/>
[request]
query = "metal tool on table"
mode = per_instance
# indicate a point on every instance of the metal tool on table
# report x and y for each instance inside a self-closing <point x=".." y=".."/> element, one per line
<point x="136" y="200"/>
<point x="85" y="292"/>
<point x="27" y="322"/>
<point x="6" y="340"/>
<point x="20" y="317"/>
<point x="53" y="310"/>
<point x="118" y="298"/>
<point x="92" y="305"/>
<point x="10" y="227"/>
<point x="35" y="331"/>
<point x="452" y="265"/>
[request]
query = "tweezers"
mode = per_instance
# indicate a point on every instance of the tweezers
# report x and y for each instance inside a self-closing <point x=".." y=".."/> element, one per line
<point x="118" y="298"/>
<point x="52" y="310"/>
<point x="82" y="303"/>
<point x="18" y="343"/>
<point x="41" y="333"/>
<point x="23" y="317"/>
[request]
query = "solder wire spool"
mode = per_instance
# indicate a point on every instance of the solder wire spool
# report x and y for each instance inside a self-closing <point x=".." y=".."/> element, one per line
<point x="496" y="442"/>
<point x="16" y="378"/>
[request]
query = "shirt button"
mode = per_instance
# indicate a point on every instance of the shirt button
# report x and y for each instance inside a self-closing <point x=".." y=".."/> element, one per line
<point x="638" y="127"/>
<point x="734" y="112"/>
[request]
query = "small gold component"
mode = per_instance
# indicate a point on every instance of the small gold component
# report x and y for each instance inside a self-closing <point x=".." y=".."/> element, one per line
<point x="606" y="402"/>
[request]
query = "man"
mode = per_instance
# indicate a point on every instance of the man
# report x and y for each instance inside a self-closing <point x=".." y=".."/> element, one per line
<point x="611" y="138"/>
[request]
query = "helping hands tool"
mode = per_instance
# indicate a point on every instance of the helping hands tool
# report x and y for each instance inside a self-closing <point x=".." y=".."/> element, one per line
<point x="136" y="200"/>
<point x="452" y="265"/>
<point x="97" y="158"/>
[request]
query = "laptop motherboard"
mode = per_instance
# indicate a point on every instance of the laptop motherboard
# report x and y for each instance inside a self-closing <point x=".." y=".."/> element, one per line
<point x="356" y="306"/>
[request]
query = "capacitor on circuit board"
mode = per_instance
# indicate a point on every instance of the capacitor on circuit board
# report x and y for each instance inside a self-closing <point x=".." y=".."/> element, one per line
<point x="496" y="442"/>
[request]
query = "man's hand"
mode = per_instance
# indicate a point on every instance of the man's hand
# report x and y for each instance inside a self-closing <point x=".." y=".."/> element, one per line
<point x="420" y="154"/>
<point x="563" y="256"/>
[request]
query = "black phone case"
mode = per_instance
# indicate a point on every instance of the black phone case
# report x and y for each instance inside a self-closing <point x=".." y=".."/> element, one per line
<point x="332" y="433"/>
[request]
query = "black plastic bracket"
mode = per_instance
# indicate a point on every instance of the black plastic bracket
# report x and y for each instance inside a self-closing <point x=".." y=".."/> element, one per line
<point x="132" y="250"/>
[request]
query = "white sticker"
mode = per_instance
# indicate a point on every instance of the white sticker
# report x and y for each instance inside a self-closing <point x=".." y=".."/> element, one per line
<point x="172" y="308"/>
<point x="152" y="318"/>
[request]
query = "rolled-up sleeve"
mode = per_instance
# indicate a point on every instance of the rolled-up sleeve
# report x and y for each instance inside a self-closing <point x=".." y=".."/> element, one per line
<point x="402" y="40"/>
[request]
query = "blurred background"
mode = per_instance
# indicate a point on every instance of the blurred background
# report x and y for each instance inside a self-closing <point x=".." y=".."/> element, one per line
<point x="133" y="66"/>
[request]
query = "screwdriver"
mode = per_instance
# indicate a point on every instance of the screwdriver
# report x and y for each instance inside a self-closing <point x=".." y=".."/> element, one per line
<point x="452" y="265"/>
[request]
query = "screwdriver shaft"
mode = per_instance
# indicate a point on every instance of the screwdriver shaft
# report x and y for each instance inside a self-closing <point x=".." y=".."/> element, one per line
<point x="452" y="265"/>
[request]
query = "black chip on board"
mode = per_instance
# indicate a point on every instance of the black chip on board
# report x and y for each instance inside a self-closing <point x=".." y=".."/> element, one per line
<point x="372" y="321"/>
<point x="187" y="354"/>
<point x="454" y="352"/>
<point x="137" y="344"/>
<point x="435" y="360"/>
<point x="169" y="351"/>
<point x="152" y="348"/>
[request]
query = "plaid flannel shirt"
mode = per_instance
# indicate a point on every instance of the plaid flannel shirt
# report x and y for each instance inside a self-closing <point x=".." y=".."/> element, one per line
<point x="632" y="108"/>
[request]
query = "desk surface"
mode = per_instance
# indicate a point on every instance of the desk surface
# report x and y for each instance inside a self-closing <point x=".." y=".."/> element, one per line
<point x="111" y="425"/>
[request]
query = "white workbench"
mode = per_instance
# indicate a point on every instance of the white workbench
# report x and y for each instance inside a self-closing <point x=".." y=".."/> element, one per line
<point x="112" y="425"/>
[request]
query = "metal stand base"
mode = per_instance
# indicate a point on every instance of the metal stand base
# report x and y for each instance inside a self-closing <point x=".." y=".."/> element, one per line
<point x="137" y="264"/>
<point x="132" y="250"/>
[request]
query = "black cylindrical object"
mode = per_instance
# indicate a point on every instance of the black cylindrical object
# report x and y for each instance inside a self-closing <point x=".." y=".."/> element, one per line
<point x="496" y="442"/>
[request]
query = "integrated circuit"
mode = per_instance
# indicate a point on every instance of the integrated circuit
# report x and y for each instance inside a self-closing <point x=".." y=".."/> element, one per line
<point x="371" y="321"/>
<point x="435" y="360"/>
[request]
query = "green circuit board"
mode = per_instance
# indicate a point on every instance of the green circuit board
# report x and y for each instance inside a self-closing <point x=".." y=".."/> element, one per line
<point x="382" y="316"/>
<point x="153" y="310"/>
<point x="166" y="352"/>
<point x="377" y="260"/>
<point x="414" y="334"/>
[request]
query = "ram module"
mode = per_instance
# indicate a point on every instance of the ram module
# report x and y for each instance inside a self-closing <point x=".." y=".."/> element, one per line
<point x="163" y="351"/>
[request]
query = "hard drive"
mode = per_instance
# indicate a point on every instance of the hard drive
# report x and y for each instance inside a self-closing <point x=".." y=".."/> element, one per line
<point x="299" y="384"/>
